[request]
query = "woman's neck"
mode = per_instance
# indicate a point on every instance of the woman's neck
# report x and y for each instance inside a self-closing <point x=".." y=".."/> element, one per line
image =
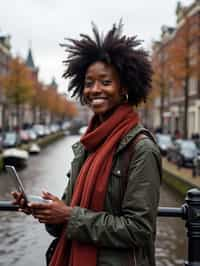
<point x="105" y="116"/>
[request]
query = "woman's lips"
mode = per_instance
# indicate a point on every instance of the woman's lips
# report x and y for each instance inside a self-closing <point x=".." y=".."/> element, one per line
<point x="97" y="101"/>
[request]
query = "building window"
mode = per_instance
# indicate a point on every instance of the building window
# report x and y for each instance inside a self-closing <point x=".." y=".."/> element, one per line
<point x="193" y="85"/>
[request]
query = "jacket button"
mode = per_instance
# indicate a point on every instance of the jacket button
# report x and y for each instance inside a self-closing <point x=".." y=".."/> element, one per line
<point x="118" y="172"/>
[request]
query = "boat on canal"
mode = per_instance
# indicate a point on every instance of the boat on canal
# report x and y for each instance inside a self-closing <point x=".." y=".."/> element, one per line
<point x="34" y="148"/>
<point x="16" y="157"/>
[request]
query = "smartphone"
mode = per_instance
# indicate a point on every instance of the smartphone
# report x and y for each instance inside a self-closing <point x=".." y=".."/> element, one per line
<point x="28" y="198"/>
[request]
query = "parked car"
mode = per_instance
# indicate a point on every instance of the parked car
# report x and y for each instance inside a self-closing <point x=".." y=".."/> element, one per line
<point x="75" y="126"/>
<point x="32" y="134"/>
<point x="53" y="128"/>
<point x="24" y="136"/>
<point x="82" y="130"/>
<point x="182" y="152"/>
<point x="65" y="125"/>
<point x="39" y="130"/>
<point x="197" y="142"/>
<point x="46" y="131"/>
<point x="10" y="139"/>
<point x="164" y="142"/>
<point x="1" y="140"/>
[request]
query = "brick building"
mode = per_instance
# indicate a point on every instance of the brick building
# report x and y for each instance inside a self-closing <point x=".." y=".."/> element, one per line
<point x="5" y="56"/>
<point x="170" y="105"/>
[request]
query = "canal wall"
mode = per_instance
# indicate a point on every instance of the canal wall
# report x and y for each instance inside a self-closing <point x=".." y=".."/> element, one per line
<point x="42" y="142"/>
<point x="179" y="179"/>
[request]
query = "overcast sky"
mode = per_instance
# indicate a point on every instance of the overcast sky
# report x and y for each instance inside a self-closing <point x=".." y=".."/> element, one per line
<point x="43" y="24"/>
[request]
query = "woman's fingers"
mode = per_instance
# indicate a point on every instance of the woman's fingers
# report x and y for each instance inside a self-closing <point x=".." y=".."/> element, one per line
<point x="19" y="200"/>
<point x="42" y="212"/>
<point x="54" y="211"/>
<point x="42" y="216"/>
<point x="37" y="206"/>
<point x="48" y="195"/>
<point x="17" y="197"/>
<point x="26" y="211"/>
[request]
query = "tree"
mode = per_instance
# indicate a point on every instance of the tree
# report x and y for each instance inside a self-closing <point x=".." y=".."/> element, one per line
<point x="18" y="86"/>
<point x="160" y="79"/>
<point x="67" y="109"/>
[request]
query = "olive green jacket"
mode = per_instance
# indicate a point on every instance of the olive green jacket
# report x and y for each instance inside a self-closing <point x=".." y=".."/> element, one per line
<point x="124" y="232"/>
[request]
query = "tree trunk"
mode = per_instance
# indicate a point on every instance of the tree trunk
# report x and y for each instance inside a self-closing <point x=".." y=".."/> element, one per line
<point x="18" y="117"/>
<point x="3" y="118"/>
<point x="34" y="114"/>
<point x="162" y="99"/>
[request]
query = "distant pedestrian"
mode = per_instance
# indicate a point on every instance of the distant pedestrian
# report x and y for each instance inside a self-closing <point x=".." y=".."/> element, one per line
<point x="177" y="134"/>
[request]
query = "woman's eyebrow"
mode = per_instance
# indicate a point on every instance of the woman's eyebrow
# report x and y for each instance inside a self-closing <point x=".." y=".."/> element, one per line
<point x="105" y="75"/>
<point x="102" y="75"/>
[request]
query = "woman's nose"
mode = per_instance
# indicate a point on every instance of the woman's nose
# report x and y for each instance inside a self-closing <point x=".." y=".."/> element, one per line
<point x="96" y="87"/>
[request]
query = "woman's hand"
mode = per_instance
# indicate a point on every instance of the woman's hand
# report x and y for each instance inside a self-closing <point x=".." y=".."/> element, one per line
<point x="55" y="212"/>
<point x="19" y="200"/>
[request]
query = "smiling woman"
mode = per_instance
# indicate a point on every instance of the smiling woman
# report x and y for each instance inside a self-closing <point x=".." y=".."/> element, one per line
<point x="107" y="215"/>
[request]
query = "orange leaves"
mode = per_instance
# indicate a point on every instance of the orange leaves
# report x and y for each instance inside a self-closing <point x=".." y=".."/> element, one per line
<point x="18" y="87"/>
<point x="49" y="99"/>
<point x="184" y="53"/>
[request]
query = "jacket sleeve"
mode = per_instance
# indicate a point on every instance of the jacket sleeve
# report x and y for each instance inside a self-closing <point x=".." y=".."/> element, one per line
<point x="136" y="225"/>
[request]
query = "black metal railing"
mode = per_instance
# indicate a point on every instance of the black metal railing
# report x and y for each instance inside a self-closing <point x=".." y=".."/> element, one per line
<point x="189" y="211"/>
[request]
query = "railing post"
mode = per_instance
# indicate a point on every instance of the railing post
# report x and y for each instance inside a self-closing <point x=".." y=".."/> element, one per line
<point x="193" y="226"/>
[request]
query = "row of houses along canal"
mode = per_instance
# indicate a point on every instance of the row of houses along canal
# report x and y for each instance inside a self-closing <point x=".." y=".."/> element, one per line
<point x="24" y="241"/>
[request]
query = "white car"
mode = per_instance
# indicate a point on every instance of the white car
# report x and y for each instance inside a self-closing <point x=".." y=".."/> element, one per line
<point x="82" y="130"/>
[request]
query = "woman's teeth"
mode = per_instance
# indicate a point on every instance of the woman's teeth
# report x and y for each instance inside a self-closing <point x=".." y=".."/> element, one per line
<point x="97" y="101"/>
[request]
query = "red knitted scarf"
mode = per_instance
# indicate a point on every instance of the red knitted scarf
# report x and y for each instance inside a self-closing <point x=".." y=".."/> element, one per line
<point x="91" y="184"/>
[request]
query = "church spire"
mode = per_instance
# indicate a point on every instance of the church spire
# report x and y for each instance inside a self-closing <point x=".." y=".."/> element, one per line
<point x="54" y="83"/>
<point x="29" y="60"/>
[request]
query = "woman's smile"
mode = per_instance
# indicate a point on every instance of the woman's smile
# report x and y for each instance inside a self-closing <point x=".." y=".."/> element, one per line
<point x="98" y="100"/>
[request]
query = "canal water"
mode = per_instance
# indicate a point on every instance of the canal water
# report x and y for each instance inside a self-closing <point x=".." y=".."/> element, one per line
<point x="23" y="241"/>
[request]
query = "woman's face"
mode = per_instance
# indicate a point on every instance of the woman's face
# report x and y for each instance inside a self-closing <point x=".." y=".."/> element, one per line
<point x="102" y="90"/>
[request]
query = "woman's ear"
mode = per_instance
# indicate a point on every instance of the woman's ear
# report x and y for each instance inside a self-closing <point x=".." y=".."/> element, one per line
<point x="124" y="94"/>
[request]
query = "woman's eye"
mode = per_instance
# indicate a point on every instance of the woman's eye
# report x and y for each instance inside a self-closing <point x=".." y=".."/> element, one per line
<point x="106" y="82"/>
<point x="88" y="83"/>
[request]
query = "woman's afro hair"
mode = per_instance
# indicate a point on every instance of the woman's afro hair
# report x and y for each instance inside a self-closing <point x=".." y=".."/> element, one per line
<point x="114" y="49"/>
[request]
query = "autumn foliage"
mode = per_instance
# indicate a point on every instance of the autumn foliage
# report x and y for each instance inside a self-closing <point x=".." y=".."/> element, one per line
<point x="19" y="88"/>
